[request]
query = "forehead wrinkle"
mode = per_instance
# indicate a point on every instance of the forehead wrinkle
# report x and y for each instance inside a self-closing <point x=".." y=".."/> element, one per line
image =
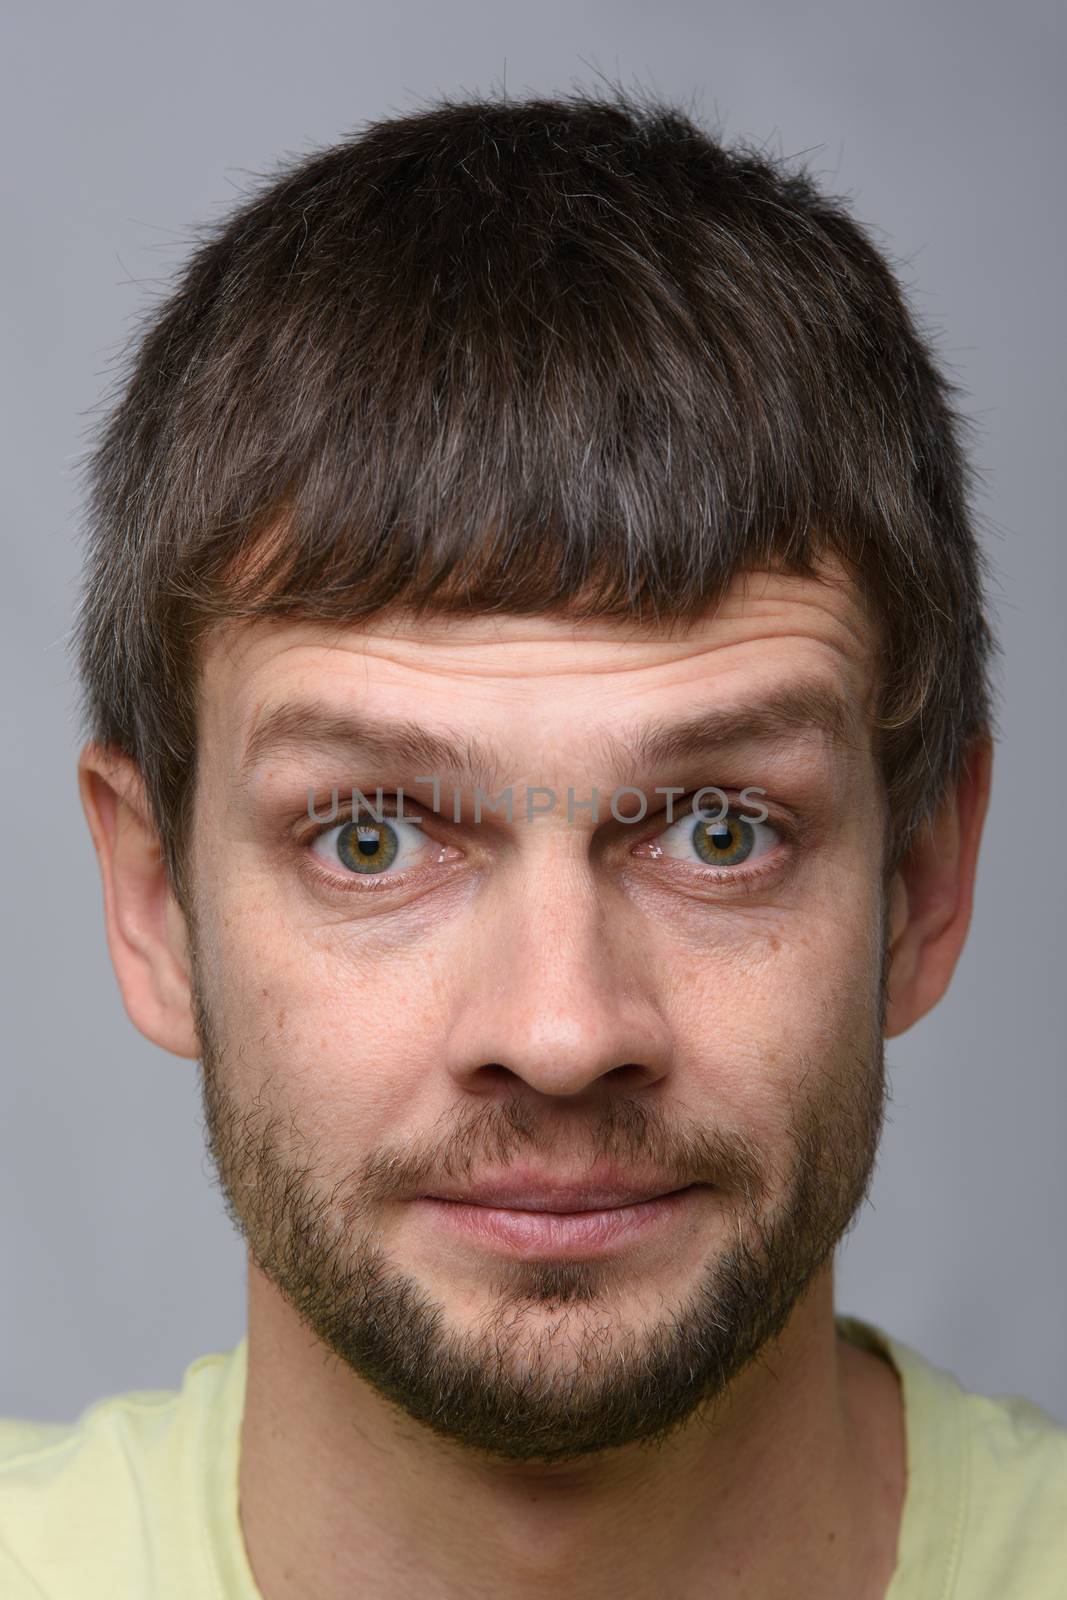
<point x="297" y="725"/>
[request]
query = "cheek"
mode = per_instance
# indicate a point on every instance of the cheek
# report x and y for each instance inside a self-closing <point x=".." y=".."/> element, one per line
<point x="767" y="1015"/>
<point x="340" y="1041"/>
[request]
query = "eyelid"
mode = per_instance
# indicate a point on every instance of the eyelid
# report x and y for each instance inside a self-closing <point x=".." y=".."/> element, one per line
<point x="342" y="882"/>
<point x="306" y="838"/>
<point x="733" y="811"/>
<point x="344" y="813"/>
<point x="683" y="808"/>
<point x="747" y="877"/>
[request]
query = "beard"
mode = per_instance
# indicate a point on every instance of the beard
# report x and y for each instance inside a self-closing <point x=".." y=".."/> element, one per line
<point x="551" y="1372"/>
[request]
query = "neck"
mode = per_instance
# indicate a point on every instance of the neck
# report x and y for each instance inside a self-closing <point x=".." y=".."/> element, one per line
<point x="793" y="1484"/>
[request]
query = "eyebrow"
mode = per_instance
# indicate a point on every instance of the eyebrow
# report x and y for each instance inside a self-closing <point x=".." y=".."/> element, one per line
<point x="788" y="712"/>
<point x="307" y="726"/>
<point x="310" y="726"/>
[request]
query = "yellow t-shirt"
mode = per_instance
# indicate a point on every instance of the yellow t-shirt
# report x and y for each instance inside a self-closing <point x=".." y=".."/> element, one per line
<point x="137" y="1499"/>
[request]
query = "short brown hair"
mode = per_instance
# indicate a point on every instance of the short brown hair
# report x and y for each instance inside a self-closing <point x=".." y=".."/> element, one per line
<point x="568" y="356"/>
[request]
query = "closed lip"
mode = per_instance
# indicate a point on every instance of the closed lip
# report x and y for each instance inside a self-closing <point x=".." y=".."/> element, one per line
<point x="533" y="1194"/>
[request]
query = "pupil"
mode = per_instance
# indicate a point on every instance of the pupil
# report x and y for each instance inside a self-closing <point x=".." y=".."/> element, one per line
<point x="720" y="836"/>
<point x="368" y="847"/>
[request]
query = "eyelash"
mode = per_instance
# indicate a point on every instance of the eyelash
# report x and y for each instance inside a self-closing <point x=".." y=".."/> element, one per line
<point x="738" y="879"/>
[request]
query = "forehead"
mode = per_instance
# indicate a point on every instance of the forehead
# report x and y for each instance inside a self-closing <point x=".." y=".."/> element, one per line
<point x="519" y="675"/>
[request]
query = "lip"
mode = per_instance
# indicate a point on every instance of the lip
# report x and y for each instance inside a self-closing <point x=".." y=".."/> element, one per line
<point x="530" y="1192"/>
<point x="567" y="1222"/>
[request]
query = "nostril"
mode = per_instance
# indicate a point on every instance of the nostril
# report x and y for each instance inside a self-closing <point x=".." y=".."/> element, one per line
<point x="495" y="1072"/>
<point x="631" y="1074"/>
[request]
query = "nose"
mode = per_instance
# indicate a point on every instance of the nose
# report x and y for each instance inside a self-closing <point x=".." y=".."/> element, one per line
<point x="560" y="994"/>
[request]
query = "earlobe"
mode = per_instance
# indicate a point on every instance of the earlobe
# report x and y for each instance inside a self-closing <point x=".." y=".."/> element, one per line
<point x="146" y="931"/>
<point x="931" y="896"/>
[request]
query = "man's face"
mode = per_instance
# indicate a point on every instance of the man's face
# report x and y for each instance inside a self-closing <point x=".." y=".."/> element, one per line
<point x="397" y="1015"/>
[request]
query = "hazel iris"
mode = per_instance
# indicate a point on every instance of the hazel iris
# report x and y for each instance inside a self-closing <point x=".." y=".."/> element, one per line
<point x="725" y="842"/>
<point x="367" y="847"/>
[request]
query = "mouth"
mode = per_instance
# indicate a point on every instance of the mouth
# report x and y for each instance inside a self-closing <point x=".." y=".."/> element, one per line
<point x="536" y="1218"/>
<point x="530" y="1191"/>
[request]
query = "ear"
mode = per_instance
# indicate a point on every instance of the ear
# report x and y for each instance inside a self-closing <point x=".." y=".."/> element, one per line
<point x="931" y="896"/>
<point x="146" y="931"/>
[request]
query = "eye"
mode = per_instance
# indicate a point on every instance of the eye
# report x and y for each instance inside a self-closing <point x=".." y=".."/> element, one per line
<point x="370" y="847"/>
<point x="714" y="841"/>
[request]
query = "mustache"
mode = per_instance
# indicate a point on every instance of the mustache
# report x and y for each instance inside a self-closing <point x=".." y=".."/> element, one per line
<point x="626" y="1132"/>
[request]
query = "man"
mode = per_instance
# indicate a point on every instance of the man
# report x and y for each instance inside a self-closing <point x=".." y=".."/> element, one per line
<point x="534" y="651"/>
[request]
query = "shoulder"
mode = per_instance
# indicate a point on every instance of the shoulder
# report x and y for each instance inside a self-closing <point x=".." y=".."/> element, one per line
<point x="1013" y="1452"/>
<point x="1015" y="1531"/>
<point x="36" y="1452"/>
<point x="93" y="1501"/>
<point x="985" y="1514"/>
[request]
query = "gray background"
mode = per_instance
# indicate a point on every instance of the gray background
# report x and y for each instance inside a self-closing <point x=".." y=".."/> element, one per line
<point x="124" y="123"/>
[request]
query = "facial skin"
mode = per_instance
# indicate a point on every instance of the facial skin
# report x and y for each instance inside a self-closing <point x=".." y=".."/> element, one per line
<point x="534" y="997"/>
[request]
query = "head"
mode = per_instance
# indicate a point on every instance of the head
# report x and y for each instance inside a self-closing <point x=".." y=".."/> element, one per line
<point x="547" y="449"/>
